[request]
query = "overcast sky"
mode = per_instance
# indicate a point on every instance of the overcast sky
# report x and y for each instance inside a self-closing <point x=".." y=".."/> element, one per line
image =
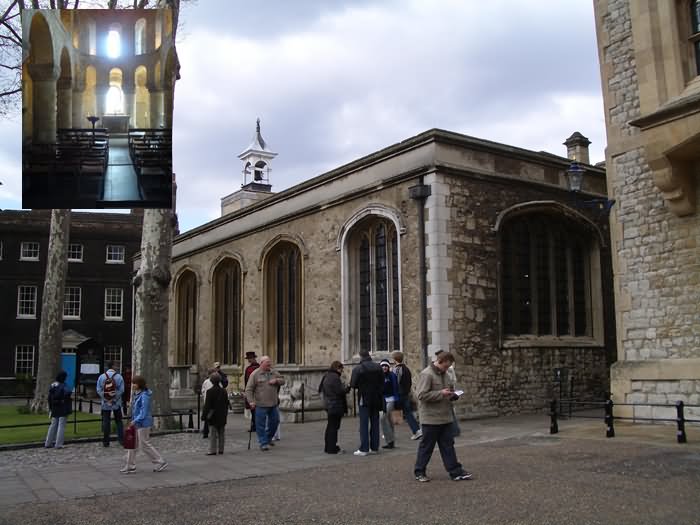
<point x="335" y="80"/>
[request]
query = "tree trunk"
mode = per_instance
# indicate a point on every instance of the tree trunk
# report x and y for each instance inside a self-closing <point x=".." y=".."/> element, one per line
<point x="51" y="327"/>
<point x="152" y="291"/>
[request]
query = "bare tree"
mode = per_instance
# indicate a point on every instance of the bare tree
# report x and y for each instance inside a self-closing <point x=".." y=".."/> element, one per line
<point x="152" y="288"/>
<point x="51" y="328"/>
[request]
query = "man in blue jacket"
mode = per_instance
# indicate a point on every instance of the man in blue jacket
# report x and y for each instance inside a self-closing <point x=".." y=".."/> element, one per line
<point x="110" y="388"/>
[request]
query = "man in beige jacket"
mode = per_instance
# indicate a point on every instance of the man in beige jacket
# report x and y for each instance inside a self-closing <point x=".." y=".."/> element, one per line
<point x="262" y="394"/>
<point x="435" y="394"/>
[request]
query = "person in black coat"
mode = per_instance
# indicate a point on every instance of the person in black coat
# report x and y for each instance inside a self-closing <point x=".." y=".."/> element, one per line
<point x="215" y="412"/>
<point x="59" y="407"/>
<point x="368" y="379"/>
<point x="334" y="396"/>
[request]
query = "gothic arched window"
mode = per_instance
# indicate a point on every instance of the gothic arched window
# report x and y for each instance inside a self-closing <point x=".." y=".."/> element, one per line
<point x="373" y="292"/>
<point x="140" y="37"/>
<point x="695" y="32"/>
<point x="227" y="312"/>
<point x="186" y="319"/>
<point x="547" y="286"/>
<point x="283" y="316"/>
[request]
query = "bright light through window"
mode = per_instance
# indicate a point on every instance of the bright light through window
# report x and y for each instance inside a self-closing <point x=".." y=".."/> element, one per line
<point x="113" y="44"/>
<point x="114" y="101"/>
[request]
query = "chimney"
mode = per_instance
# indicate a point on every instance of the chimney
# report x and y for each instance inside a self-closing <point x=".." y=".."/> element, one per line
<point x="577" y="148"/>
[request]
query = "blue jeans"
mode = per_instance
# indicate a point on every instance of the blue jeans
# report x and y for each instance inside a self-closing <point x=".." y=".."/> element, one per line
<point x="409" y="417"/>
<point x="266" y="422"/>
<point x="369" y="429"/>
<point x="107" y="427"/>
<point x="442" y="435"/>
<point x="54" y="437"/>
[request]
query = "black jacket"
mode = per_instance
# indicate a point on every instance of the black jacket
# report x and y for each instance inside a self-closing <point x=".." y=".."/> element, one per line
<point x="216" y="400"/>
<point x="368" y="379"/>
<point x="334" y="391"/>
<point x="59" y="400"/>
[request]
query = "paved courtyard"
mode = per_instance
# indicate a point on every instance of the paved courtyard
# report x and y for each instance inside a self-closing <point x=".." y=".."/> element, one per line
<point x="521" y="475"/>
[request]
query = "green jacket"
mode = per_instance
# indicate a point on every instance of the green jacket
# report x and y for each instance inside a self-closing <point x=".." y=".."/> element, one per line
<point x="433" y="407"/>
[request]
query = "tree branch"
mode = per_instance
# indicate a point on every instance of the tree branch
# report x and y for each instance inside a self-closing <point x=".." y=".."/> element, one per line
<point x="7" y="11"/>
<point x="12" y="68"/>
<point x="17" y="40"/>
<point x="8" y="93"/>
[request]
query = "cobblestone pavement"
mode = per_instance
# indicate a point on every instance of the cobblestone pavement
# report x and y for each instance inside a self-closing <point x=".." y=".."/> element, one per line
<point x="522" y="475"/>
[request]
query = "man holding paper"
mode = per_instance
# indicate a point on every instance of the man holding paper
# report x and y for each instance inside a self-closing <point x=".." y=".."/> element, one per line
<point x="435" y="394"/>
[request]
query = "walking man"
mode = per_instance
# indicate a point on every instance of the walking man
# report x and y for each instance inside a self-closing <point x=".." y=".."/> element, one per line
<point x="368" y="379"/>
<point x="435" y="395"/>
<point x="110" y="388"/>
<point x="403" y="375"/>
<point x="262" y="395"/>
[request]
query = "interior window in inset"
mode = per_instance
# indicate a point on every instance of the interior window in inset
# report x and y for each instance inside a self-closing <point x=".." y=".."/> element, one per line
<point x="114" y="43"/>
<point x="115" y="98"/>
<point x="140" y="37"/>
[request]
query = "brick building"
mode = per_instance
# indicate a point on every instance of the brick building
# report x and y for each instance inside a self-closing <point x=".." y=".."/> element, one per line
<point x="98" y="296"/>
<point x="440" y="241"/>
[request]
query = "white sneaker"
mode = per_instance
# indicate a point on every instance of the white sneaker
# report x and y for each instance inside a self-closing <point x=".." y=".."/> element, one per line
<point x="417" y="435"/>
<point x="160" y="467"/>
<point x="127" y="470"/>
<point x="360" y="453"/>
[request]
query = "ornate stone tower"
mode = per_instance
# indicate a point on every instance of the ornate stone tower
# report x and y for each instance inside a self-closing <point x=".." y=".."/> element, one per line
<point x="256" y="185"/>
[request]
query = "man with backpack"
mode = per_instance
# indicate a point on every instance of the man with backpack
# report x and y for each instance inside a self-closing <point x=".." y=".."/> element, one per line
<point x="110" y="388"/>
<point x="403" y="374"/>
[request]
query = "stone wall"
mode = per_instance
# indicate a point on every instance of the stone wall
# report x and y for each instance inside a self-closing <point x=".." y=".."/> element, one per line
<point x="657" y="252"/>
<point x="497" y="379"/>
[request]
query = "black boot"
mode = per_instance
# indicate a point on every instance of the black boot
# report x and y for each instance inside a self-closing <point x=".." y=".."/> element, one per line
<point x="389" y="445"/>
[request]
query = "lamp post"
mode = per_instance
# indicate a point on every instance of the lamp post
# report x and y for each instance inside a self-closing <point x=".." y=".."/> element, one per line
<point x="574" y="177"/>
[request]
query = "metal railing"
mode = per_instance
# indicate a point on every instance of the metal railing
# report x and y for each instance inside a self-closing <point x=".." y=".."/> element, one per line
<point x="78" y="407"/>
<point x="609" y="416"/>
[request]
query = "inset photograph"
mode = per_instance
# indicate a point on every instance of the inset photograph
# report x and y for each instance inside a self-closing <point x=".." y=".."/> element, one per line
<point x="97" y="108"/>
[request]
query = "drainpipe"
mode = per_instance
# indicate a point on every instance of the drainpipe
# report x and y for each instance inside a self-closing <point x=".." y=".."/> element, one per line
<point x="419" y="193"/>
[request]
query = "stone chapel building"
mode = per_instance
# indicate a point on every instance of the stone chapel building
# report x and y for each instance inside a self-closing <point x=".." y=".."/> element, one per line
<point x="440" y="241"/>
<point x="650" y="67"/>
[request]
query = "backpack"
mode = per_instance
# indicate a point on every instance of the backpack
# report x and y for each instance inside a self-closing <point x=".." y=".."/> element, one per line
<point x="405" y="381"/>
<point x="110" y="387"/>
<point x="55" y="396"/>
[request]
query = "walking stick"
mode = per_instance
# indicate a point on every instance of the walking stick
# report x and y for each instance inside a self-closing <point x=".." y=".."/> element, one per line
<point x="252" y="427"/>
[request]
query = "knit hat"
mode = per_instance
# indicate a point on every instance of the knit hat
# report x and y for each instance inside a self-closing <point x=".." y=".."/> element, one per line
<point x="384" y="362"/>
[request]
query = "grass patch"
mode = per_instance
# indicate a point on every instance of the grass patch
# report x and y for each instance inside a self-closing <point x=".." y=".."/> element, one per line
<point x="89" y="425"/>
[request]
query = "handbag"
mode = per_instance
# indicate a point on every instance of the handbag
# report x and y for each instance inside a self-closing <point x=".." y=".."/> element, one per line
<point x="396" y="417"/>
<point x="130" y="438"/>
<point x="210" y="415"/>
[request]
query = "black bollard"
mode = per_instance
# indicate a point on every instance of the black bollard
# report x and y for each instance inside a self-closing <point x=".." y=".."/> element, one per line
<point x="609" y="425"/>
<point x="680" y="420"/>
<point x="302" y="401"/>
<point x="190" y="422"/>
<point x="553" y="426"/>
<point x="80" y="404"/>
<point x="91" y="406"/>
